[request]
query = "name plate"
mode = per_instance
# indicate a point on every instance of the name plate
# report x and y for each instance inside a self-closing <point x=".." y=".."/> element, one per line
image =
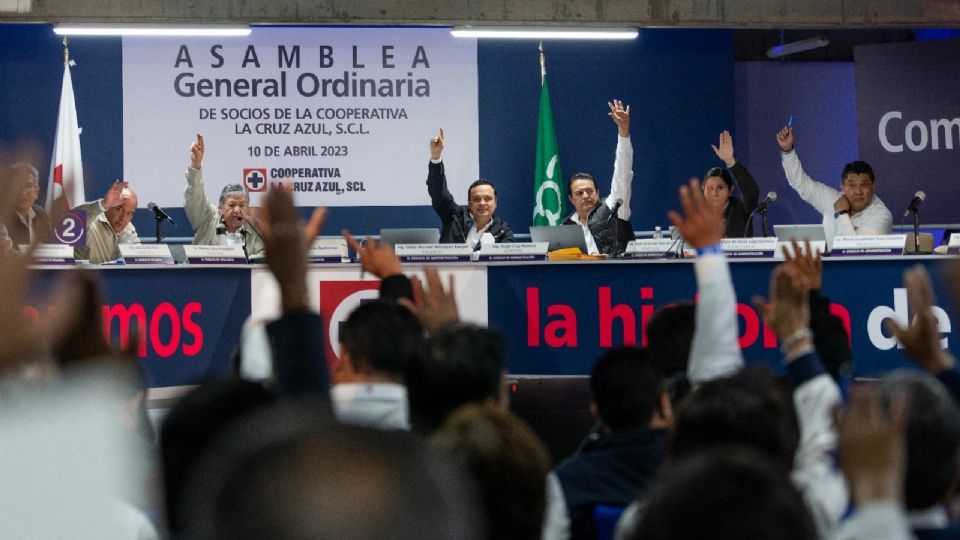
<point x="328" y="252"/>
<point x="881" y="244"/>
<point x="815" y="245"/>
<point x="146" y="254"/>
<point x="953" y="247"/>
<point x="654" y="248"/>
<point x="214" y="254"/>
<point x="738" y="248"/>
<point x="521" y="251"/>
<point x="59" y="254"/>
<point x="433" y="252"/>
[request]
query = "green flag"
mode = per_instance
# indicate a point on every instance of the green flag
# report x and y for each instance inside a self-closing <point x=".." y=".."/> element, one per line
<point x="548" y="197"/>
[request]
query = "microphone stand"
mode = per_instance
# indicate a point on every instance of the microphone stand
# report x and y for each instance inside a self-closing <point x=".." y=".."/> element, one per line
<point x="763" y="222"/>
<point x="158" y="220"/>
<point x="616" y="231"/>
<point x="916" y="231"/>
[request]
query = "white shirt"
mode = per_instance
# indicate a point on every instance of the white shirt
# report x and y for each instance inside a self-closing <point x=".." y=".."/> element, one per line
<point x="874" y="219"/>
<point x="377" y="405"/>
<point x="620" y="188"/>
<point x="482" y="236"/>
<point x="28" y="220"/>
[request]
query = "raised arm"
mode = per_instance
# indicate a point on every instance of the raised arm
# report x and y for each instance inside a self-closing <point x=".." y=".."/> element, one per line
<point x="820" y="196"/>
<point x="440" y="197"/>
<point x="620" y="185"/>
<point x="195" y="202"/>
<point x="714" y="351"/>
<point x="749" y="192"/>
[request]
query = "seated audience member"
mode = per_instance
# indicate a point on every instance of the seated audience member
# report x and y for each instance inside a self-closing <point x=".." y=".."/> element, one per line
<point x="853" y="210"/>
<point x="669" y="335"/>
<point x="289" y="473"/>
<point x="227" y="223"/>
<point x="461" y="363"/>
<point x="508" y="463"/>
<point x="378" y="342"/>
<point x="719" y="185"/>
<point x="477" y="223"/>
<point x="632" y="413"/>
<point x="27" y="222"/>
<point x="603" y="232"/>
<point x="109" y="224"/>
<point x="722" y="492"/>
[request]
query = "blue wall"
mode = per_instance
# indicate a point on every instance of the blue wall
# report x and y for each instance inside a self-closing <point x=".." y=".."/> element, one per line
<point x="680" y="84"/>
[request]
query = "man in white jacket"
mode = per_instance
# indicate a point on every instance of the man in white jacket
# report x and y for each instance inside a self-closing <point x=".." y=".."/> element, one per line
<point x="853" y="210"/>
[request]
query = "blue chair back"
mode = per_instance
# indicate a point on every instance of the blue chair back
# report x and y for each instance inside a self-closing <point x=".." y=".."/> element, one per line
<point x="605" y="520"/>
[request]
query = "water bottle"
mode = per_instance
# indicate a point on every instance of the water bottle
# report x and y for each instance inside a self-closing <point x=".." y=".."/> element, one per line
<point x="657" y="233"/>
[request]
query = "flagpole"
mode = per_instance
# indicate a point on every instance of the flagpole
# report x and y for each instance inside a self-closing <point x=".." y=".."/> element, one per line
<point x="66" y="51"/>
<point x="543" y="64"/>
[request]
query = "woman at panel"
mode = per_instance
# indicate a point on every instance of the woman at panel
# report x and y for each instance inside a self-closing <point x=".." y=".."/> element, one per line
<point x="733" y="189"/>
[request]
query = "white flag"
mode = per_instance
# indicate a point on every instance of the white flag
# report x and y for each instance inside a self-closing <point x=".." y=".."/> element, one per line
<point x="65" y="186"/>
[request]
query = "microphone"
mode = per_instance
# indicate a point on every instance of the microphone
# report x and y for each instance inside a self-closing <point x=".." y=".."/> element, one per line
<point x="918" y="198"/>
<point x="770" y="199"/>
<point x="613" y="211"/>
<point x="159" y="213"/>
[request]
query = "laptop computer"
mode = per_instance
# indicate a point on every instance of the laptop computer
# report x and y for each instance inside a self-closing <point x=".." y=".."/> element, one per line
<point x="559" y="236"/>
<point x="410" y="236"/>
<point x="812" y="231"/>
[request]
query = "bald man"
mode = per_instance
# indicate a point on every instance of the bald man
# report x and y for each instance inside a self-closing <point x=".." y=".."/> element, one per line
<point x="108" y="224"/>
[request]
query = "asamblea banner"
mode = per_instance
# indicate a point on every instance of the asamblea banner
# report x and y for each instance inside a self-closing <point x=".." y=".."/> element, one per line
<point x="344" y="113"/>
<point x="908" y="110"/>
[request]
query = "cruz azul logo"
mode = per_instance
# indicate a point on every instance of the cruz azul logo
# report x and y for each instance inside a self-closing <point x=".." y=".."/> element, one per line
<point x="255" y="180"/>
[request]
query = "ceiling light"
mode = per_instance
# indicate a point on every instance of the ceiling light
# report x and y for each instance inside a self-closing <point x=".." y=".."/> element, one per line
<point x="519" y="32"/>
<point x="149" y="30"/>
<point x="786" y="49"/>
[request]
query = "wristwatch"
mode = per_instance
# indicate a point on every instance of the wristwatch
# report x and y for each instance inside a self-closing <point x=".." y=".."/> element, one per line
<point x="840" y="213"/>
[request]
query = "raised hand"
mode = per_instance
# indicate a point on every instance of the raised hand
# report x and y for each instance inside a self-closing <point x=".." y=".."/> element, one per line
<point x="873" y="446"/>
<point x="620" y="116"/>
<point x="725" y="150"/>
<point x="701" y="224"/>
<point x="196" y="152"/>
<point x="921" y="338"/>
<point x="806" y="264"/>
<point x="111" y="198"/>
<point x="436" y="146"/>
<point x="789" y="308"/>
<point x="438" y="306"/>
<point x="376" y="258"/>
<point x="286" y="242"/>
<point x="785" y="139"/>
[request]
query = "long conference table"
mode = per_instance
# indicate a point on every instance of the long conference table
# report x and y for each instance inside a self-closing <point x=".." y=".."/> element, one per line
<point x="557" y="316"/>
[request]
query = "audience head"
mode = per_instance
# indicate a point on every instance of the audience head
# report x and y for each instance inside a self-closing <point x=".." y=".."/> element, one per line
<point x="669" y="335"/>
<point x="234" y="202"/>
<point x="717" y="186"/>
<point x="723" y="492"/>
<point x="747" y="408"/>
<point x="857" y="184"/>
<point x="627" y="392"/>
<point x="290" y="473"/>
<point x="190" y="427"/>
<point x="121" y="215"/>
<point x="461" y="363"/>
<point x="508" y="463"/>
<point x="933" y="436"/>
<point x="380" y="339"/>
